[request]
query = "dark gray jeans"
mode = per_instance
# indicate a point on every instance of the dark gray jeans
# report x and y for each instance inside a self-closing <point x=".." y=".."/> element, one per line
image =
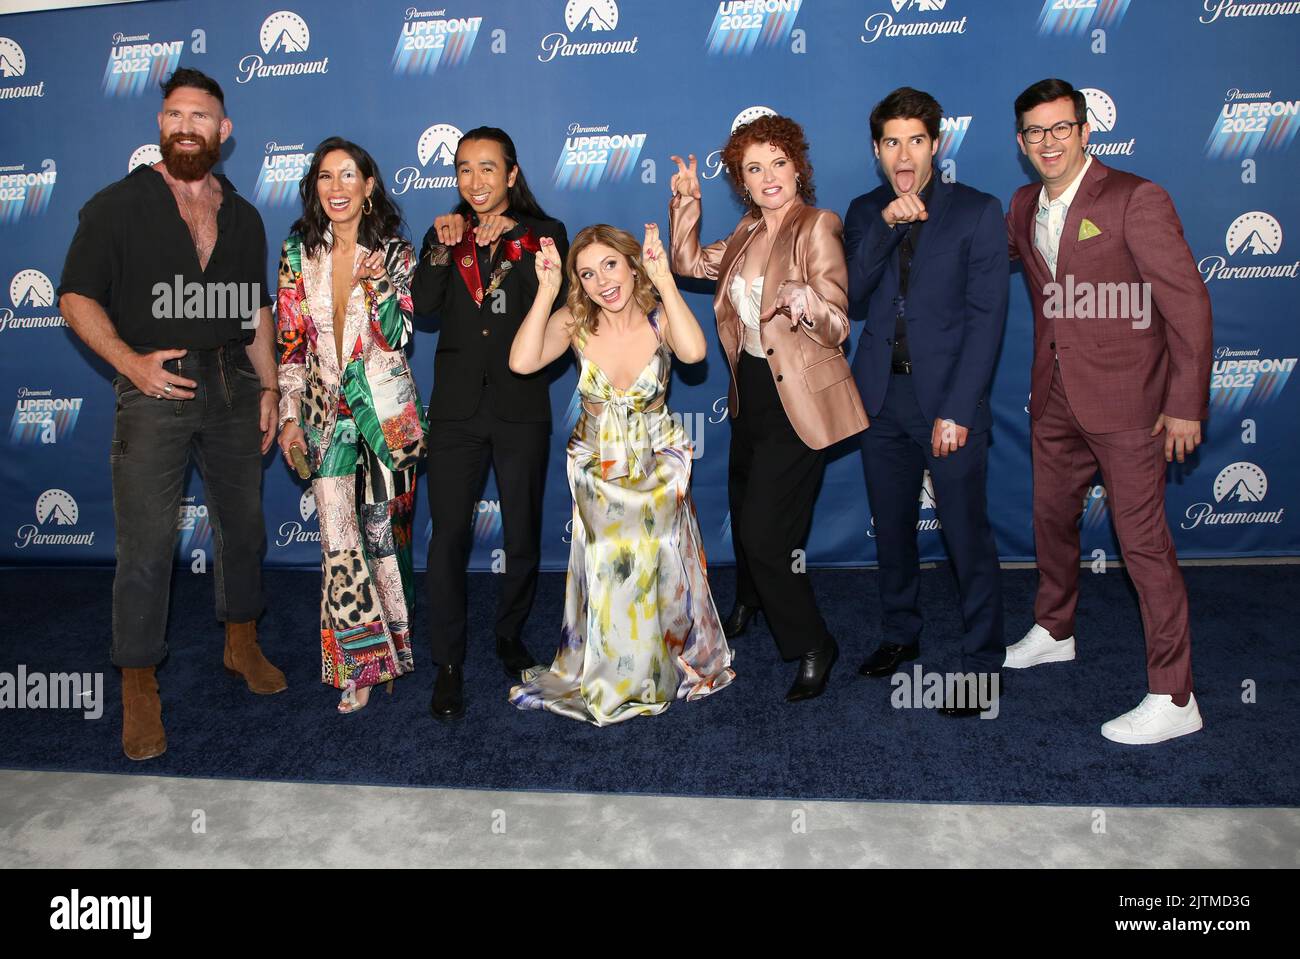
<point x="152" y="442"/>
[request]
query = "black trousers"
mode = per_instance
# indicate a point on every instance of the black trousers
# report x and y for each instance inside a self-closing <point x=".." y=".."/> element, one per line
<point x="459" y="454"/>
<point x="152" y="443"/>
<point x="772" y="483"/>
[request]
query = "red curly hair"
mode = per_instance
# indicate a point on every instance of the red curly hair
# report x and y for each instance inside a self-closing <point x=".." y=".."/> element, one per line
<point x="781" y="132"/>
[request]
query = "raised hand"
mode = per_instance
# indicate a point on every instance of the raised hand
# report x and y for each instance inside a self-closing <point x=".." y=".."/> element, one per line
<point x="491" y="227"/>
<point x="685" y="181"/>
<point x="655" y="259"/>
<point x="371" y="268"/>
<point x="450" y="228"/>
<point x="907" y="208"/>
<point x="549" y="268"/>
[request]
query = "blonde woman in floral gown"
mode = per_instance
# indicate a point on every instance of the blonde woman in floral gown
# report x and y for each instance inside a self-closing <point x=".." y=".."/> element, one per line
<point x="640" y="629"/>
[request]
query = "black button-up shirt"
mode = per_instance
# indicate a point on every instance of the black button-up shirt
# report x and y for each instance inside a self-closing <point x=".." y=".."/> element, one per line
<point x="133" y="253"/>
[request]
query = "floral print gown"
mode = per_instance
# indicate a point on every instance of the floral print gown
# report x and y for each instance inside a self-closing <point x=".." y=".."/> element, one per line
<point x="640" y="629"/>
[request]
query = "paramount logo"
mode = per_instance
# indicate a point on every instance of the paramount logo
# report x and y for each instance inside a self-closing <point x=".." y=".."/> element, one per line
<point x="1214" y="9"/>
<point x="55" y="511"/>
<point x="13" y="64"/>
<point x="296" y="532"/>
<point x="437" y="148"/>
<point x="283" y="33"/>
<point x="1250" y="236"/>
<point x="30" y="290"/>
<point x="1102" y="117"/>
<point x="590" y="20"/>
<point x="883" y="24"/>
<point x="1242" y="483"/>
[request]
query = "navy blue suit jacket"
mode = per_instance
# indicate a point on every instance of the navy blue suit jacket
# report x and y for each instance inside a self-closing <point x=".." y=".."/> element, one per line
<point x="956" y="306"/>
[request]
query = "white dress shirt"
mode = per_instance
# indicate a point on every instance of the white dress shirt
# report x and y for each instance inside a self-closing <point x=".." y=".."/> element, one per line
<point x="1049" y="221"/>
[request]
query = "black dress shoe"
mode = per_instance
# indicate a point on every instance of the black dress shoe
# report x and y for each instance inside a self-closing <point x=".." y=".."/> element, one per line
<point x="738" y="620"/>
<point x="886" y="660"/>
<point x="448" y="694"/>
<point x="514" y="656"/>
<point x="814" y="673"/>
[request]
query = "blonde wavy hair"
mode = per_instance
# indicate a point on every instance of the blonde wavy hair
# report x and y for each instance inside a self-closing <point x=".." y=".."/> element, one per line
<point x="584" y="310"/>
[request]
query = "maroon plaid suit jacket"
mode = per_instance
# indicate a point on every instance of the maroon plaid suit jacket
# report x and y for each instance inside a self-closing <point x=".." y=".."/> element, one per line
<point x="1119" y="371"/>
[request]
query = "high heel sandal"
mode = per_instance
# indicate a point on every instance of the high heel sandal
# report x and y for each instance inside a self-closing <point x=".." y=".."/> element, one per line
<point x="350" y="704"/>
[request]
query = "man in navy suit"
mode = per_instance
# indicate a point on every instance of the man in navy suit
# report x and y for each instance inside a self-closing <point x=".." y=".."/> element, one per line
<point x="928" y="271"/>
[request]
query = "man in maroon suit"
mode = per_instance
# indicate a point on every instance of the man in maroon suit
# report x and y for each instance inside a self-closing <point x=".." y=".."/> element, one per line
<point x="1121" y="373"/>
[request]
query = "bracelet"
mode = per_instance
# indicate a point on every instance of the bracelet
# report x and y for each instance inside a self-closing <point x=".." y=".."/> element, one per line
<point x="270" y="389"/>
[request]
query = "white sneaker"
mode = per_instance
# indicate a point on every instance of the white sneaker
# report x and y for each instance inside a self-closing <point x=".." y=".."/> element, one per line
<point x="1038" y="647"/>
<point x="1154" y="720"/>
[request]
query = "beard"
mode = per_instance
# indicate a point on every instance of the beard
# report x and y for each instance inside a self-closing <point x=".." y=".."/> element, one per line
<point x="190" y="166"/>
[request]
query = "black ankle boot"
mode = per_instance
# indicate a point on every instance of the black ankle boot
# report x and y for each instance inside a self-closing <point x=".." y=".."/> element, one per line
<point x="738" y="620"/>
<point x="514" y="656"/>
<point x="448" y="694"/>
<point x="814" y="672"/>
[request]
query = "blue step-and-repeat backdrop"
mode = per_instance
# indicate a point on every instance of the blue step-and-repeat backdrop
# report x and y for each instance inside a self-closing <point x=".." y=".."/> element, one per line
<point x="1199" y="95"/>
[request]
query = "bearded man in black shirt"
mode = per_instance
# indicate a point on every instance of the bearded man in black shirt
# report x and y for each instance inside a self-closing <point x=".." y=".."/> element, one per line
<point x="165" y="280"/>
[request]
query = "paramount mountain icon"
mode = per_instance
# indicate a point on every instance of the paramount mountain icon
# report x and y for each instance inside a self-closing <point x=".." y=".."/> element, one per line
<point x="13" y="64"/>
<point x="591" y="15"/>
<point x="32" y="297"/>
<point x="57" y="517"/>
<point x="1255" y="233"/>
<point x="286" y="44"/>
<point x="1241" y="483"/>
<point x="444" y="155"/>
<point x="284" y="32"/>
<point x="1236" y="483"/>
<point x="1256" y="246"/>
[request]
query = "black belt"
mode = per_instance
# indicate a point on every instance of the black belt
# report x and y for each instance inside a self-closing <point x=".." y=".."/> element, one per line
<point x="901" y="367"/>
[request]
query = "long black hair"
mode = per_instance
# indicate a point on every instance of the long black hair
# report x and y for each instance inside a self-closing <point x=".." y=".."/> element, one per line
<point x="382" y="223"/>
<point x="521" y="198"/>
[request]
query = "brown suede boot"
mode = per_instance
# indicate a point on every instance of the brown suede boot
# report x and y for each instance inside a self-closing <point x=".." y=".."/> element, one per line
<point x="142" y="728"/>
<point x="244" y="658"/>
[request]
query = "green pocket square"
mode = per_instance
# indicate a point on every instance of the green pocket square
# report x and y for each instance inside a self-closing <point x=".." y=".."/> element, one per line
<point x="1088" y="229"/>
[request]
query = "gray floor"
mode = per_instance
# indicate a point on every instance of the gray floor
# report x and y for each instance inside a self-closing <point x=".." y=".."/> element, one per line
<point x="94" y="820"/>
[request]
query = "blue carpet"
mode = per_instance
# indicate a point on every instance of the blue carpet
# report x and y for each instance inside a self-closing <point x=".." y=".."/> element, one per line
<point x="744" y="741"/>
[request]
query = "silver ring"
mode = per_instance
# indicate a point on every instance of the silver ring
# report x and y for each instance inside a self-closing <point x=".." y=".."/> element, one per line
<point x="167" y="388"/>
<point x="157" y="396"/>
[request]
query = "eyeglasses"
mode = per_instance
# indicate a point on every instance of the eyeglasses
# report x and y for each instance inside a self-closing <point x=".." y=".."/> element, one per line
<point x="1060" y="131"/>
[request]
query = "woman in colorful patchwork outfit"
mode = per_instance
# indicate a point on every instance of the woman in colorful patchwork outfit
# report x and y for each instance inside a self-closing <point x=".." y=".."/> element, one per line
<point x="640" y="629"/>
<point x="349" y="404"/>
